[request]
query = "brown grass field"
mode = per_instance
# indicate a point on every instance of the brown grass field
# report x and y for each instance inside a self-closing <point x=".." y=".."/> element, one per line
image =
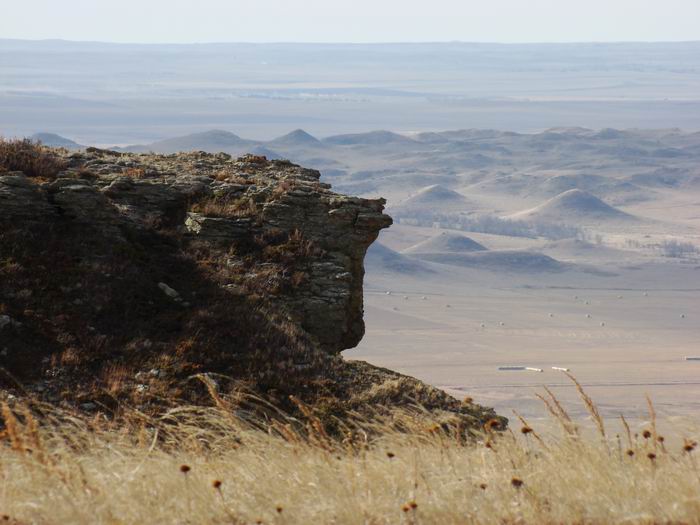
<point x="197" y="465"/>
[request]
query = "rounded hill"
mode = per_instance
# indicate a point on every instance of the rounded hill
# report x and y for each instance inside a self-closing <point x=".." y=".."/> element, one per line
<point x="446" y="242"/>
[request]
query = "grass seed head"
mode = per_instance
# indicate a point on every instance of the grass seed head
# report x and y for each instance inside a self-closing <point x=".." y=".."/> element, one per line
<point x="492" y="424"/>
<point x="434" y="428"/>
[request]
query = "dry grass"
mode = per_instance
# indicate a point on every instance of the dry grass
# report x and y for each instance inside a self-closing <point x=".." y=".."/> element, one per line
<point x="29" y="157"/>
<point x="209" y="466"/>
<point x="135" y="173"/>
<point x="226" y="207"/>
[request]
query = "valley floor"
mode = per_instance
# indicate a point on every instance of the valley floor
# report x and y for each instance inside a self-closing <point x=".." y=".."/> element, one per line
<point x="624" y="332"/>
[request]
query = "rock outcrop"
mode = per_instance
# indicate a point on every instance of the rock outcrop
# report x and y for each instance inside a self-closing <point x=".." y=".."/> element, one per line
<point x="125" y="276"/>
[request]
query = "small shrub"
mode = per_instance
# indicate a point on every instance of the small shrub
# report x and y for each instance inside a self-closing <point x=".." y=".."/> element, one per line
<point x="135" y="173"/>
<point x="677" y="249"/>
<point x="255" y="159"/>
<point x="284" y="186"/>
<point x="31" y="158"/>
<point x="227" y="175"/>
<point x="226" y="208"/>
<point x="115" y="376"/>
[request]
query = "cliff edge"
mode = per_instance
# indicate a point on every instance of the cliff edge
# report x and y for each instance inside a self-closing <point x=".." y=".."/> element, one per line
<point x="125" y="277"/>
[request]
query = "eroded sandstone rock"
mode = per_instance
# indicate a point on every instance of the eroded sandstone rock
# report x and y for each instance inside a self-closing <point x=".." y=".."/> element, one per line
<point x="190" y="264"/>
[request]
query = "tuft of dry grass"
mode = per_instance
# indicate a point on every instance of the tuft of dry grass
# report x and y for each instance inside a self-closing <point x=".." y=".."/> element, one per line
<point x="29" y="157"/>
<point x="211" y="465"/>
<point x="226" y="207"/>
<point x="135" y="173"/>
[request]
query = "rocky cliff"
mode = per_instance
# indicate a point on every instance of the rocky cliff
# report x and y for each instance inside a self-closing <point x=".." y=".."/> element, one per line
<point x="123" y="277"/>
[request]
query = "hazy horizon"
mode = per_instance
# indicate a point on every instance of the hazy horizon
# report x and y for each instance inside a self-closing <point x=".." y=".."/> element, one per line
<point x="353" y="43"/>
<point x="364" y="21"/>
<point x="119" y="94"/>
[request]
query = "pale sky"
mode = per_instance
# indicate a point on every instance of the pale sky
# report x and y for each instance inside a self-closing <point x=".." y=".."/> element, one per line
<point x="185" y="21"/>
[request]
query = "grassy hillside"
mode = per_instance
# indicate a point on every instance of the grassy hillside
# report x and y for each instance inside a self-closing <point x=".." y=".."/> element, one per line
<point x="209" y="466"/>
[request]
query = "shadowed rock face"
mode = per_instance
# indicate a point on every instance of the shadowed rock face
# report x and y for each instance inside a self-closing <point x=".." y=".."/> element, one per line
<point x="276" y="199"/>
<point x="343" y="228"/>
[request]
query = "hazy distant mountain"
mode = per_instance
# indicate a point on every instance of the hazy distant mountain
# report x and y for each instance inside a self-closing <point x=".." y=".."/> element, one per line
<point x="215" y="141"/>
<point x="212" y="141"/>
<point x="430" y="137"/>
<point x="377" y="138"/>
<point x="298" y="137"/>
<point x="266" y="152"/>
<point x="380" y="258"/>
<point x="572" y="205"/>
<point x="432" y="199"/>
<point x="609" y="134"/>
<point x="446" y="242"/>
<point x="496" y="173"/>
<point x="57" y="141"/>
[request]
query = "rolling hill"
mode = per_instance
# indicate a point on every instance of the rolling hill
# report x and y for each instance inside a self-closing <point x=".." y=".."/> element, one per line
<point x="431" y="200"/>
<point x="573" y="206"/>
<point x="382" y="259"/>
<point x="509" y="261"/>
<point x="446" y="242"/>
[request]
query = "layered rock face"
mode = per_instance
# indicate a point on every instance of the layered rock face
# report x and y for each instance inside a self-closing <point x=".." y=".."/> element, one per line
<point x="125" y="275"/>
<point x="238" y="201"/>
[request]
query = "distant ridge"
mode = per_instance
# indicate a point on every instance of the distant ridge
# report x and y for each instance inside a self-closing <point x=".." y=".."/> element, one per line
<point x="379" y="137"/>
<point x="430" y="137"/>
<point x="212" y="141"/>
<point x="55" y="141"/>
